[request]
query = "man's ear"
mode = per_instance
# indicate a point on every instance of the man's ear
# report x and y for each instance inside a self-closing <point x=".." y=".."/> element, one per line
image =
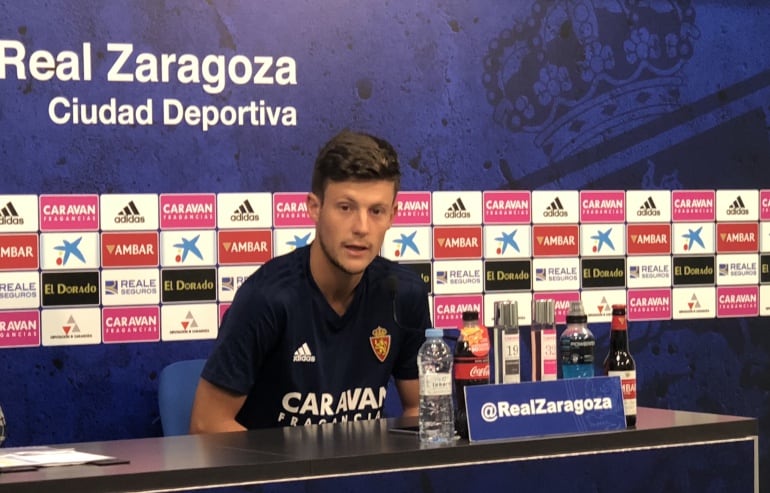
<point x="313" y="206"/>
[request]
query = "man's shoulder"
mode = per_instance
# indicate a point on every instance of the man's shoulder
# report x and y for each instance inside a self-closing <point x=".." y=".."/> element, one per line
<point x="405" y="278"/>
<point x="279" y="272"/>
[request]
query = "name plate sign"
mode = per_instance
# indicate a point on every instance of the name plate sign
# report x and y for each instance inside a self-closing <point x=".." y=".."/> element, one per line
<point x="544" y="408"/>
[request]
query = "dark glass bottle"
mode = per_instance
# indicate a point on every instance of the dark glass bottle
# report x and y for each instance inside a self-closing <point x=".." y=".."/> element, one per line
<point x="620" y="363"/>
<point x="471" y="363"/>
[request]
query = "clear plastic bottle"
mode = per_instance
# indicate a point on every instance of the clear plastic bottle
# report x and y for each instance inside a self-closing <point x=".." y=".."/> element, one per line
<point x="577" y="344"/>
<point x="436" y="411"/>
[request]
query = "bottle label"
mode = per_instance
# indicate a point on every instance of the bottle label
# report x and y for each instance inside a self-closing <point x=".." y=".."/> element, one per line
<point x="477" y="338"/>
<point x="549" y="354"/>
<point x="628" y="386"/>
<point x="511" y="358"/>
<point x="435" y="384"/>
<point x="471" y="369"/>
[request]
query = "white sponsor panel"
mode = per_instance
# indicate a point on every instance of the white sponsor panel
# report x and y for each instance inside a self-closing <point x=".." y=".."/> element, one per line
<point x="457" y="208"/>
<point x="602" y="240"/>
<point x="128" y="212"/>
<point x="737" y="205"/>
<point x="71" y="326"/>
<point x="523" y="304"/>
<point x="508" y="241"/>
<point x="19" y="213"/>
<point x="189" y="322"/>
<point x="598" y="303"/>
<point x="737" y="269"/>
<point x="188" y="248"/>
<point x="458" y="276"/>
<point x="556" y="274"/>
<point x="649" y="271"/>
<point x="289" y="239"/>
<point x="231" y="278"/>
<point x="693" y="303"/>
<point x="65" y="251"/>
<point x="19" y="290"/>
<point x="555" y="207"/>
<point x="123" y="287"/>
<point x="405" y="244"/>
<point x="244" y="210"/>
<point x="764" y="301"/>
<point x="764" y="237"/>
<point x="693" y="238"/>
<point x="648" y="206"/>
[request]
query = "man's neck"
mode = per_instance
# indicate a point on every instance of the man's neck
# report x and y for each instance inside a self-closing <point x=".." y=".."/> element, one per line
<point x="336" y="286"/>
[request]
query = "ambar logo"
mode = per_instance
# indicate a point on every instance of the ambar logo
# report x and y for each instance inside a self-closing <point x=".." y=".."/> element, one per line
<point x="188" y="285"/>
<point x="555" y="240"/>
<point x="737" y="237"/>
<point x="70" y="288"/>
<point x="457" y="242"/>
<point x="245" y="247"/>
<point x="130" y="249"/>
<point x="19" y="252"/>
<point x="644" y="239"/>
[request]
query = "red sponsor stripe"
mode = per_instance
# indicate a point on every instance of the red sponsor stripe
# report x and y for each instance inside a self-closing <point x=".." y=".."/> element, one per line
<point x="19" y="252"/>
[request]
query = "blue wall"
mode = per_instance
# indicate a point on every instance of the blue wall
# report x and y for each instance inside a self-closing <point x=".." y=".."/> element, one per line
<point x="490" y="94"/>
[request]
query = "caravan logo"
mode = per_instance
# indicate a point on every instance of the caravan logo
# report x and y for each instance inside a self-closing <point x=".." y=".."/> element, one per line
<point x="69" y="213"/>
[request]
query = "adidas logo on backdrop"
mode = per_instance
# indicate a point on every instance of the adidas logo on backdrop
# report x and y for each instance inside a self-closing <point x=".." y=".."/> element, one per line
<point x="129" y="214"/>
<point x="244" y="212"/>
<point x="9" y="215"/>
<point x="457" y="210"/>
<point x="648" y="208"/>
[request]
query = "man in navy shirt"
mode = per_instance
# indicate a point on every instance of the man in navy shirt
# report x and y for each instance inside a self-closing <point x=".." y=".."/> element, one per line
<point x="313" y="336"/>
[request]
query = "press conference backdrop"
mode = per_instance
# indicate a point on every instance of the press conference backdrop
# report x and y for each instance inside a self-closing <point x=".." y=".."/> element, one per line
<point x="200" y="118"/>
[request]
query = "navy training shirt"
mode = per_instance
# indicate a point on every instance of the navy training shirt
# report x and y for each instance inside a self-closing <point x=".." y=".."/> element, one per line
<point x="299" y="362"/>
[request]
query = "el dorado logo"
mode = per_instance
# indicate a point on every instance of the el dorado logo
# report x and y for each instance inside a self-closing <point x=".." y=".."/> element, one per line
<point x="693" y="270"/>
<point x="502" y="275"/>
<point x="70" y="288"/>
<point x="188" y="285"/>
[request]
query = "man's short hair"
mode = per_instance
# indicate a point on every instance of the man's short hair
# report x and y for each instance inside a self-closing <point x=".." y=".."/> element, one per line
<point x="355" y="156"/>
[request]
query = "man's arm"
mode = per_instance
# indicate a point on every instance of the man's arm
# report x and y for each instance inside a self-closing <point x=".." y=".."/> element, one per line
<point x="214" y="409"/>
<point x="409" y="392"/>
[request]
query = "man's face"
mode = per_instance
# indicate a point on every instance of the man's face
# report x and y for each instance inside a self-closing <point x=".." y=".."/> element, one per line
<point x="352" y="221"/>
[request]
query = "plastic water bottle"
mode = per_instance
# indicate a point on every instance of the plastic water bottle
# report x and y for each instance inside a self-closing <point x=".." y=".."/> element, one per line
<point x="577" y="344"/>
<point x="436" y="412"/>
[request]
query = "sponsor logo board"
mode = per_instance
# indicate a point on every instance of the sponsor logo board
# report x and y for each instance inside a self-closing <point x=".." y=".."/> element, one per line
<point x="188" y="211"/>
<point x="131" y="324"/>
<point x="71" y="326"/>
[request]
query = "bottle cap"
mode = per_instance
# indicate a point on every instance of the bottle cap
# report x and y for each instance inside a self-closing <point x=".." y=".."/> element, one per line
<point x="470" y="315"/>
<point x="543" y="312"/>
<point x="506" y="313"/>
<point x="576" y="314"/>
<point x="438" y="333"/>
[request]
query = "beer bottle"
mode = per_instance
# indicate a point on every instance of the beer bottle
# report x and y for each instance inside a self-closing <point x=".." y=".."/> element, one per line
<point x="620" y="363"/>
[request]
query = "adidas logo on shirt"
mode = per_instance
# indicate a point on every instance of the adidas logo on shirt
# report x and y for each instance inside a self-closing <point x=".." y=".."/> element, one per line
<point x="303" y="354"/>
<point x="9" y="215"/>
<point x="648" y="208"/>
<point x="457" y="209"/>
